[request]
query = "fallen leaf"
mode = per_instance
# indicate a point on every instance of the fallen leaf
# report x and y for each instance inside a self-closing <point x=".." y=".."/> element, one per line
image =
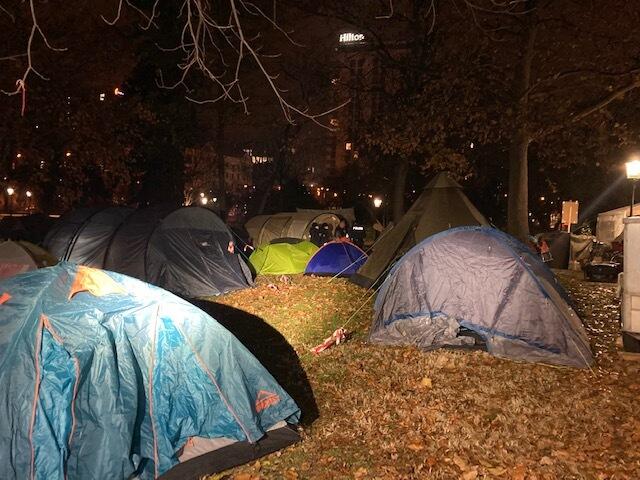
<point x="519" y="472"/>
<point x="546" y="461"/>
<point x="497" y="471"/>
<point x="460" y="463"/>
<point x="242" y="476"/>
<point x="561" y="454"/>
<point x="426" y="382"/>
<point x="469" y="475"/>
<point x="360" y="473"/>
<point x="416" y="447"/>
<point x="291" y="474"/>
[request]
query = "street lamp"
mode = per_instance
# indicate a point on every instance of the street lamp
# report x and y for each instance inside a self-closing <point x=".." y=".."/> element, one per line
<point x="10" y="191"/>
<point x="633" y="173"/>
<point x="29" y="194"/>
<point x="377" y="202"/>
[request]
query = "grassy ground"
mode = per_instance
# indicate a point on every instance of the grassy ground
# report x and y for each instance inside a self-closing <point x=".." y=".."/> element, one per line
<point x="399" y="413"/>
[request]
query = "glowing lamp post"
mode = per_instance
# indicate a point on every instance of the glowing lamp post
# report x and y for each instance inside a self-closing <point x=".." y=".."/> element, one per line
<point x="633" y="173"/>
<point x="10" y="191"/>
<point x="377" y="202"/>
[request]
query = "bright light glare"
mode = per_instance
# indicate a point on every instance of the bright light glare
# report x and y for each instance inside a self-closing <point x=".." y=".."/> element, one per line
<point x="633" y="169"/>
<point x="204" y="200"/>
<point x="68" y="154"/>
<point x="10" y="191"/>
<point x="29" y="194"/>
<point x="377" y="202"/>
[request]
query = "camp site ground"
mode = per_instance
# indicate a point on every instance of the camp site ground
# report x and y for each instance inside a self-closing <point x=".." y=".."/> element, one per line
<point x="401" y="413"/>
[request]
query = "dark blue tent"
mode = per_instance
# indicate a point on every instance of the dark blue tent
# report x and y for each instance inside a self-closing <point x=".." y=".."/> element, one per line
<point x="104" y="376"/>
<point x="336" y="258"/>
<point x="484" y="281"/>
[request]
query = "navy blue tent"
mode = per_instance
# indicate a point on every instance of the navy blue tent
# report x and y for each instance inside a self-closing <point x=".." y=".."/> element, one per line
<point x="484" y="281"/>
<point x="104" y="376"/>
<point x="336" y="258"/>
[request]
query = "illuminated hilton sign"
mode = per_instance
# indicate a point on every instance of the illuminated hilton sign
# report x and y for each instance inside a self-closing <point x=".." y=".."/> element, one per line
<point x="351" y="37"/>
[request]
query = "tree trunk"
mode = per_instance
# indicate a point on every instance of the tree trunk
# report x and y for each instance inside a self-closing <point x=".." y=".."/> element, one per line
<point x="267" y="194"/>
<point x="399" y="186"/>
<point x="518" y="213"/>
<point x="518" y="205"/>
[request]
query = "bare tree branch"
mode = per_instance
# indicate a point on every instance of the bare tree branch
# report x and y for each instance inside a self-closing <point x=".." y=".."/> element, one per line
<point x="2" y="9"/>
<point x="21" y="83"/>
<point x="593" y="108"/>
<point x="202" y="33"/>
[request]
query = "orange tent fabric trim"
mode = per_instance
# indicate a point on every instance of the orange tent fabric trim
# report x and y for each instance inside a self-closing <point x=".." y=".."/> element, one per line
<point x="95" y="282"/>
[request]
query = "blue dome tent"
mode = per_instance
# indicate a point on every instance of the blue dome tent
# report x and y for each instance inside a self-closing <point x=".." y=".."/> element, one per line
<point x="105" y="376"/>
<point x="336" y="258"/>
<point x="484" y="281"/>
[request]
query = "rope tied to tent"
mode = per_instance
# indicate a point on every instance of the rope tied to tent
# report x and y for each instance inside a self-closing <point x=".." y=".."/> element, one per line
<point x="341" y="334"/>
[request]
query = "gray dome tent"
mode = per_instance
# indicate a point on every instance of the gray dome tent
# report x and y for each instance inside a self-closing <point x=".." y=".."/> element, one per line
<point x="265" y="228"/>
<point x="83" y="235"/>
<point x="442" y="205"/>
<point x="485" y="281"/>
<point x="184" y="250"/>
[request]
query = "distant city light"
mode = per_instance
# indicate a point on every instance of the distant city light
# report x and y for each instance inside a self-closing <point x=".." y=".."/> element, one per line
<point x="347" y="146"/>
<point x="19" y="155"/>
<point x="201" y="195"/>
<point x="10" y="191"/>
<point x="28" y="194"/>
<point x="118" y="92"/>
<point x="215" y="199"/>
<point x="377" y="202"/>
<point x="335" y="195"/>
<point x="471" y="145"/>
<point x="204" y="200"/>
<point x="68" y="154"/>
<point x="542" y="199"/>
<point x="103" y="96"/>
<point x="246" y="186"/>
<point x="506" y="195"/>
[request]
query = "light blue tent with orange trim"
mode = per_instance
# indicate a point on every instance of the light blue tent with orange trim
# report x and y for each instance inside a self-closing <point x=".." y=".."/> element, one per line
<point x="105" y="376"/>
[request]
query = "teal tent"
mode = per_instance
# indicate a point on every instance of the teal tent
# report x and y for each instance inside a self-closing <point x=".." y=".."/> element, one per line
<point x="103" y="376"/>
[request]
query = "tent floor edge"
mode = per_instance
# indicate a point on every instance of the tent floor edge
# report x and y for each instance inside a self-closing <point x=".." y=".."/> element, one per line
<point x="233" y="455"/>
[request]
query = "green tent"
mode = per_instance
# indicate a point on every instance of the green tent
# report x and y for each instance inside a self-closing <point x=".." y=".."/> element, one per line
<point x="282" y="258"/>
<point x="441" y="206"/>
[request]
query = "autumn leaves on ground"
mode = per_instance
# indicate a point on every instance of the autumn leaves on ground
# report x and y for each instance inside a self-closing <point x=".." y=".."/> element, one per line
<point x="384" y="412"/>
